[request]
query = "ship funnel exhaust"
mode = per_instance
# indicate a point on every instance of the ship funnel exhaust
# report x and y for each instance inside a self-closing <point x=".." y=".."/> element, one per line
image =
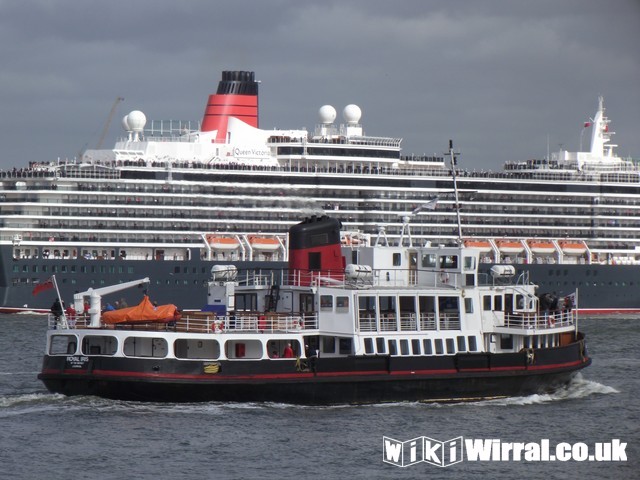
<point x="237" y="96"/>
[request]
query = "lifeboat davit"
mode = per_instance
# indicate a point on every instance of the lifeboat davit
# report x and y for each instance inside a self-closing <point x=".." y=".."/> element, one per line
<point x="573" y="247"/>
<point x="223" y="243"/>
<point x="267" y="244"/>
<point x="541" y="246"/>
<point x="482" y="245"/>
<point x="510" y="246"/>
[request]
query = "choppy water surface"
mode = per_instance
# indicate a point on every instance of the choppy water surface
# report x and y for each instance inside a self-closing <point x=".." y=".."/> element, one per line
<point x="51" y="436"/>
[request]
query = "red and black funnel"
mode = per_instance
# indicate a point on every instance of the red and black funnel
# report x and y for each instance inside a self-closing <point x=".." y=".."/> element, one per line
<point x="237" y="96"/>
<point x="314" y="248"/>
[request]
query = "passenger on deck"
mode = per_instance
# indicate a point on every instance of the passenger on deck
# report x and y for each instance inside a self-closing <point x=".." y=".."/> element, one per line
<point x="288" y="351"/>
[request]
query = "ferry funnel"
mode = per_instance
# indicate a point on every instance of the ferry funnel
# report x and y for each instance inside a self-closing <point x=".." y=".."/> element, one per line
<point x="314" y="247"/>
<point x="237" y="96"/>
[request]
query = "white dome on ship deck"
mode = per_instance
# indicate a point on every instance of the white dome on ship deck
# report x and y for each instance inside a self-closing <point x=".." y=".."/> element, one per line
<point x="125" y="123"/>
<point x="327" y="114"/>
<point x="352" y="114"/>
<point x="135" y="121"/>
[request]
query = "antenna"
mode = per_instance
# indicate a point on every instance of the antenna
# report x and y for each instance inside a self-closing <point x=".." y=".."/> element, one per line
<point x="454" y="164"/>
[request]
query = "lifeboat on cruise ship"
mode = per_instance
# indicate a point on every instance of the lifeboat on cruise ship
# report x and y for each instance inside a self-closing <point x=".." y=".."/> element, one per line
<point x="573" y="247"/>
<point x="267" y="244"/>
<point x="483" y="245"/>
<point x="351" y="240"/>
<point x="510" y="246"/>
<point x="223" y="243"/>
<point x="541" y="246"/>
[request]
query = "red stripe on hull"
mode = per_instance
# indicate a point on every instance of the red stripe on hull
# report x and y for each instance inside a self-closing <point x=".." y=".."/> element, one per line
<point x="309" y="375"/>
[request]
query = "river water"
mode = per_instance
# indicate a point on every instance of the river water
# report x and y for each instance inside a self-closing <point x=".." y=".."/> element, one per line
<point x="46" y="436"/>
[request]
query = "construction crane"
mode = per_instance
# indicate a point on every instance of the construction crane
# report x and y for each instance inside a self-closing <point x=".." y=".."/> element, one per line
<point x="108" y="122"/>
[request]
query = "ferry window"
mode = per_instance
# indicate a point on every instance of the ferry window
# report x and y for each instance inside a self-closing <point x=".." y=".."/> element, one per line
<point x="99" y="345"/>
<point x="393" y="347"/>
<point x="428" y="260"/>
<point x="246" y="301"/>
<point x="449" y="261"/>
<point x="176" y="269"/>
<point x="426" y="343"/>
<point x="415" y="346"/>
<point x="404" y="347"/>
<point x="397" y="259"/>
<point x="462" y="344"/>
<point x="197" y="348"/>
<point x="468" y="305"/>
<point x="497" y="305"/>
<point x="486" y="302"/>
<point x="345" y="346"/>
<point x="326" y="302"/>
<point x="439" y="346"/>
<point x="342" y="302"/>
<point x="450" y="346"/>
<point x="473" y="345"/>
<point x="380" y="346"/>
<point x="328" y="345"/>
<point x="145" y="347"/>
<point x="244" y="349"/>
<point x="469" y="263"/>
<point x="63" y="345"/>
<point x="506" y="342"/>
<point x="368" y="345"/>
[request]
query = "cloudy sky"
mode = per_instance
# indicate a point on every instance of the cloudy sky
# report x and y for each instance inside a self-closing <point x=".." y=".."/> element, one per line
<point x="501" y="78"/>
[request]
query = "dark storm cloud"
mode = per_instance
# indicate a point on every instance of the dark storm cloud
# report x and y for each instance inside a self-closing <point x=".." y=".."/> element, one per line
<point x="499" y="77"/>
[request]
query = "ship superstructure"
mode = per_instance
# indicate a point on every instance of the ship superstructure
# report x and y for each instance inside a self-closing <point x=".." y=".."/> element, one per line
<point x="173" y="197"/>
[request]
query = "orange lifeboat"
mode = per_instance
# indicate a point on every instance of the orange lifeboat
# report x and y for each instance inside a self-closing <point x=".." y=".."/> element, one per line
<point x="573" y="247"/>
<point x="267" y="244"/>
<point x="510" y="246"/>
<point x="223" y="243"/>
<point x="482" y="245"/>
<point x="541" y="246"/>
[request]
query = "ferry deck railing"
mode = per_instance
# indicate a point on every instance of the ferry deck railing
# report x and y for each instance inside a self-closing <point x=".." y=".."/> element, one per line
<point x="539" y="320"/>
<point x="203" y="322"/>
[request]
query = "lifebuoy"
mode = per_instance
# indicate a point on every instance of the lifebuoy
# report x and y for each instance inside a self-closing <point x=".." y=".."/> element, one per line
<point x="552" y="321"/>
<point x="217" y="326"/>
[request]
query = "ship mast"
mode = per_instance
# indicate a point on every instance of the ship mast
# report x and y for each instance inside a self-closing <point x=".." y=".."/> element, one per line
<point x="454" y="164"/>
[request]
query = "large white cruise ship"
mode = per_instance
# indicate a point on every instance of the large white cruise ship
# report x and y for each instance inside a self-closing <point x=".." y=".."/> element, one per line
<point x="172" y="199"/>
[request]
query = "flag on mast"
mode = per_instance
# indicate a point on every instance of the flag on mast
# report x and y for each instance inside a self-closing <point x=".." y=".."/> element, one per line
<point x="41" y="287"/>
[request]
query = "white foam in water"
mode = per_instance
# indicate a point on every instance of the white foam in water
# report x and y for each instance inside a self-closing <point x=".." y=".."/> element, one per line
<point x="577" y="388"/>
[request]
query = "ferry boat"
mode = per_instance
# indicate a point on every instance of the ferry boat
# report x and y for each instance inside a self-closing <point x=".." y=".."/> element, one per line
<point x="174" y="198"/>
<point x="341" y="325"/>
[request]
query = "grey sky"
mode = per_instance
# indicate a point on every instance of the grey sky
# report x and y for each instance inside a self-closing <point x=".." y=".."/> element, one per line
<point x="498" y="77"/>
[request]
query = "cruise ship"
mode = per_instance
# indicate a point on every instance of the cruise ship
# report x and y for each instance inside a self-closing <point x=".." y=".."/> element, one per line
<point x="172" y="199"/>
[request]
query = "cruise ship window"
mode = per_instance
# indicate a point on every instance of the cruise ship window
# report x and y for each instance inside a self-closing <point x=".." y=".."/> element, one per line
<point x="404" y="346"/>
<point x="415" y="346"/>
<point x="439" y="346"/>
<point x="393" y="347"/>
<point x="473" y="345"/>
<point x="397" y="259"/>
<point x="380" y="345"/>
<point x="426" y="343"/>
<point x="462" y="345"/>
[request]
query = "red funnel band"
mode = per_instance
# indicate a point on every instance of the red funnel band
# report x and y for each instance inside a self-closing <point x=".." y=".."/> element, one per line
<point x="222" y="106"/>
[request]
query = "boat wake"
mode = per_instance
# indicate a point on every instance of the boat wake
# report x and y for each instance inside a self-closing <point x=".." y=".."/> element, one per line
<point x="577" y="388"/>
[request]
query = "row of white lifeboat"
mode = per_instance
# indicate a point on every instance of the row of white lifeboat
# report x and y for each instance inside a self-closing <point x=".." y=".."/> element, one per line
<point x="539" y="247"/>
<point x="228" y="244"/>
